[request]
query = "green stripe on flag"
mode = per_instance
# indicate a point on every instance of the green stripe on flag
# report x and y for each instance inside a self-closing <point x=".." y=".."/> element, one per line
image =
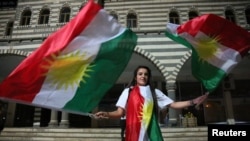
<point x="154" y="131"/>
<point x="209" y="75"/>
<point x="106" y="69"/>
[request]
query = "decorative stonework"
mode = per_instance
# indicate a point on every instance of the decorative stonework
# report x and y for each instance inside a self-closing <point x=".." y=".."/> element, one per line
<point x="171" y="85"/>
<point x="151" y="58"/>
<point x="13" y="51"/>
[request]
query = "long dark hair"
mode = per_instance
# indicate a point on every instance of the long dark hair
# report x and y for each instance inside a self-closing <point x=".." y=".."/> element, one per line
<point x="150" y="83"/>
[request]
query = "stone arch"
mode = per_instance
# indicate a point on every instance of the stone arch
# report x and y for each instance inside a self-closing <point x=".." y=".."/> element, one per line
<point x="9" y="27"/>
<point x="24" y="9"/>
<point x="82" y="5"/>
<point x="45" y="7"/>
<point x="133" y="11"/>
<point x="174" y="10"/>
<point x="11" y="58"/>
<point x="14" y="51"/>
<point x="247" y="15"/>
<point x="114" y="14"/>
<point x="65" y="5"/>
<point x="21" y="12"/>
<point x="231" y="9"/>
<point x="152" y="59"/>
<point x="182" y="61"/>
<point x="68" y="5"/>
<point x="193" y="10"/>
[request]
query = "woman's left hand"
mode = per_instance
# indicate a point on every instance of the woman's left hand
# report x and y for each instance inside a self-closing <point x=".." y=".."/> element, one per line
<point x="199" y="100"/>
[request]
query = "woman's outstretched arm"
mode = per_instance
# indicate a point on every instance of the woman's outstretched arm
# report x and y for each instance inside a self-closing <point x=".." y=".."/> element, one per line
<point x="187" y="103"/>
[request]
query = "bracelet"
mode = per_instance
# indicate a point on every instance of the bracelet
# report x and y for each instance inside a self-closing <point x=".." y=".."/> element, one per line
<point x="191" y="102"/>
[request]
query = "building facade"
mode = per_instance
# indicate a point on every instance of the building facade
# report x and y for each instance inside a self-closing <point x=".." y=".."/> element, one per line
<point x="25" y="24"/>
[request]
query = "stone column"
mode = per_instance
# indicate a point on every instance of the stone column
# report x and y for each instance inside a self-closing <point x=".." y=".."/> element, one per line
<point x="53" y="119"/>
<point x="37" y="117"/>
<point x="65" y="120"/>
<point x="173" y="114"/>
<point x="229" y="107"/>
<point x="10" y="117"/>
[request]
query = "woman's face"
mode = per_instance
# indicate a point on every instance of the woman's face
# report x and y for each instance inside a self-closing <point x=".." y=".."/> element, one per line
<point x="141" y="77"/>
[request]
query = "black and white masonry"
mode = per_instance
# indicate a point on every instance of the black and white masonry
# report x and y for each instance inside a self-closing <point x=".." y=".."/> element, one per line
<point x="224" y="131"/>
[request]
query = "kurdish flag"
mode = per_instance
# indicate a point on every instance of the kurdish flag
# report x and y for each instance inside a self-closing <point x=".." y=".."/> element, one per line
<point x="217" y="44"/>
<point x="75" y="66"/>
<point x="141" y="122"/>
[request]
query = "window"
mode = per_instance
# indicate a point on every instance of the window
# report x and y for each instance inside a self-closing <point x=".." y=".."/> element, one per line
<point x="64" y="15"/>
<point x="114" y="15"/>
<point x="192" y="14"/>
<point x="82" y="6"/>
<point x="44" y="16"/>
<point x="25" y="18"/>
<point x="9" y="28"/>
<point x="242" y="88"/>
<point x="131" y="20"/>
<point x="174" y="18"/>
<point x="247" y="13"/>
<point x="101" y="2"/>
<point x="230" y="15"/>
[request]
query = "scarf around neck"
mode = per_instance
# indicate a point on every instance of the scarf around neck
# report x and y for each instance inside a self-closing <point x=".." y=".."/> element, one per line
<point x="142" y="123"/>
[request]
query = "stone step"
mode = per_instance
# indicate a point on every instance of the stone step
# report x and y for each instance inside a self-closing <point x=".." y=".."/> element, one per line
<point x="94" y="134"/>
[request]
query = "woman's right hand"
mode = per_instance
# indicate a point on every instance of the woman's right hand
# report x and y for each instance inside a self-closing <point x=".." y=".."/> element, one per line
<point x="102" y="115"/>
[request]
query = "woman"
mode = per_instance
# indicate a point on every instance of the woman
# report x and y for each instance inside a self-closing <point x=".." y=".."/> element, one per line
<point x="140" y="102"/>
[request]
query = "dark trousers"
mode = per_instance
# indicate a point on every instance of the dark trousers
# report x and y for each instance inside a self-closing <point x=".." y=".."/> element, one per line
<point x="123" y="127"/>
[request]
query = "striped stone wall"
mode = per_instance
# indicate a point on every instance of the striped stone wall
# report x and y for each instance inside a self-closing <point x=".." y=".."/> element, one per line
<point x="152" y="15"/>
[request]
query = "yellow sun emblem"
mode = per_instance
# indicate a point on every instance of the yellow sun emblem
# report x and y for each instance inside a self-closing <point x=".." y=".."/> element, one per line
<point x="67" y="70"/>
<point x="146" y="112"/>
<point x="206" y="48"/>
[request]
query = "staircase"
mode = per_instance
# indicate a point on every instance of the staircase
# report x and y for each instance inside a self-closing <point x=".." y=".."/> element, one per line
<point x="95" y="134"/>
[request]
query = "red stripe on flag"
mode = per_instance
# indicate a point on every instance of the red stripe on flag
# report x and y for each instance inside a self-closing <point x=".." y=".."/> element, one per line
<point x="134" y="116"/>
<point x="26" y="80"/>
<point x="228" y="33"/>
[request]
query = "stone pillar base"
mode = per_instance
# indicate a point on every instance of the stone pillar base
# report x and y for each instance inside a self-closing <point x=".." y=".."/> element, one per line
<point x="53" y="123"/>
<point x="64" y="124"/>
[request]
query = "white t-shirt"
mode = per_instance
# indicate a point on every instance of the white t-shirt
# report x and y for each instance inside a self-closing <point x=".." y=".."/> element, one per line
<point x="162" y="99"/>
